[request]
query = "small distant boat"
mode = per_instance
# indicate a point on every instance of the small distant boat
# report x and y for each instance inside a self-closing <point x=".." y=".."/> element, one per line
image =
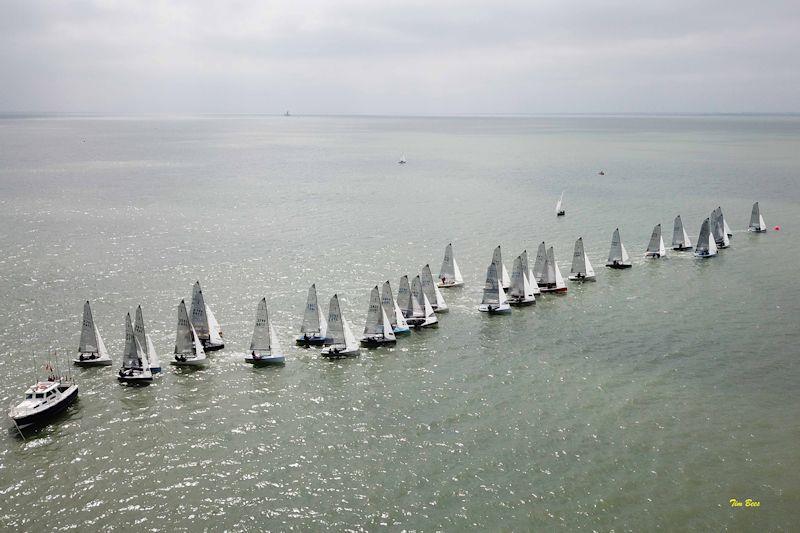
<point x="581" y="267"/>
<point x="497" y="259"/>
<point x="146" y="342"/>
<point x="560" y="211"/>
<point x="680" y="239"/>
<point x="135" y="366"/>
<point x="402" y="160"/>
<point x="529" y="273"/>
<point x="494" y="298"/>
<point x="706" y="244"/>
<point x="44" y="399"/>
<point x="91" y="349"/>
<point x="286" y="114"/>
<point x="432" y="291"/>
<point x="264" y="346"/>
<point x="450" y="274"/>
<point x="341" y="341"/>
<point x="422" y="307"/>
<point x="552" y="281"/>
<point x="520" y="292"/>
<point x="378" y="329"/>
<point x="204" y="322"/>
<point x="656" y="249"/>
<point x="757" y="224"/>
<point x="392" y="310"/>
<point x="718" y="228"/>
<point x="601" y="173"/>
<point x="188" y="347"/>
<point x="539" y="264"/>
<point x="618" y="256"/>
<point x="314" y="330"/>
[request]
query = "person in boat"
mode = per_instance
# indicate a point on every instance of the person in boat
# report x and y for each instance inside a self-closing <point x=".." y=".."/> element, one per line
<point x="615" y="263"/>
<point x="181" y="358"/>
<point x="305" y="340"/>
<point x="579" y="275"/>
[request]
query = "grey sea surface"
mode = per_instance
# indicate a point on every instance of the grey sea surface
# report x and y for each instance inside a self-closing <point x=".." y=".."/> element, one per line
<point x="644" y="401"/>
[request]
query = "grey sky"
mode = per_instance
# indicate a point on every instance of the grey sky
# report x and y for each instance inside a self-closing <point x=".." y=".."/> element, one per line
<point x="436" y="57"/>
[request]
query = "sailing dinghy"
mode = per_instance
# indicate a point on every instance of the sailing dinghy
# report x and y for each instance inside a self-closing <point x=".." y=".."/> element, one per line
<point x="91" y="349"/>
<point x="314" y="330"/>
<point x="378" y="328"/>
<point x="539" y="263"/>
<point x="529" y="273"/>
<point x="581" y="267"/>
<point x="655" y="248"/>
<point x="392" y="310"/>
<point x="494" y="298"/>
<point x="718" y="228"/>
<point x="497" y="259"/>
<point x="341" y="341"/>
<point x="135" y="366"/>
<point x="264" y="346"/>
<point x="449" y="274"/>
<point x="552" y="281"/>
<point x="757" y="224"/>
<point x="188" y="347"/>
<point x="432" y="291"/>
<point x="560" y="211"/>
<point x="146" y="342"/>
<point x="422" y="306"/>
<point x="680" y="239"/>
<point x="204" y="322"/>
<point x="706" y="245"/>
<point x="520" y="292"/>
<point x="618" y="256"/>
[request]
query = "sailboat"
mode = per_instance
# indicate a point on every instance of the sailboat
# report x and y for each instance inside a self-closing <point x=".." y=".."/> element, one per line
<point x="341" y="341"/>
<point x="422" y="306"/>
<point x="539" y="263"/>
<point x="520" y="292"/>
<point x="552" y="281"/>
<point x="264" y="346"/>
<point x="449" y="274"/>
<point x="497" y="259"/>
<point x="494" y="298"/>
<point x="718" y="225"/>
<point x="314" y="330"/>
<point x="655" y="248"/>
<point x="204" y="322"/>
<point x="529" y="273"/>
<point x="44" y="399"/>
<point x="188" y="347"/>
<point x="432" y="291"/>
<point x="757" y="224"/>
<point x="146" y="342"/>
<point x="680" y="239"/>
<point x="135" y="366"/>
<point x="618" y="256"/>
<point x="581" y="267"/>
<point x="91" y="349"/>
<point x="392" y="310"/>
<point x="560" y="211"/>
<point x="706" y="244"/>
<point x="409" y="306"/>
<point x="378" y="329"/>
<point x="402" y="160"/>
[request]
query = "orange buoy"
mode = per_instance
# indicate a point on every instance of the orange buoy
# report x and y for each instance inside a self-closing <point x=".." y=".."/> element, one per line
<point x="777" y="228"/>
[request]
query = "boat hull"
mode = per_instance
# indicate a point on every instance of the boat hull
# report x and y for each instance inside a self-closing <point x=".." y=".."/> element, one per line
<point x="401" y="331"/>
<point x="581" y="278"/>
<point x="681" y="248"/>
<point x="196" y="363"/>
<point x="619" y="266"/>
<point x="377" y="342"/>
<point x="450" y="285"/>
<point x="311" y="341"/>
<point x="757" y="230"/>
<point x="654" y="255"/>
<point x="212" y="347"/>
<point x="92" y="362"/>
<point x="43" y="416"/>
<point x="495" y="309"/>
<point x="561" y="214"/>
<point x="140" y="381"/>
<point x="338" y="354"/>
<point x="265" y="360"/>
<point x="704" y="255"/>
<point x="557" y="290"/>
<point x="521" y="301"/>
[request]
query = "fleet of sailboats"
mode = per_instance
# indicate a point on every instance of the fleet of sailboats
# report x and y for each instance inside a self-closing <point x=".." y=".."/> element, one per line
<point x="618" y="256"/>
<point x="581" y="267"/>
<point x="680" y="239"/>
<point x="655" y="248"/>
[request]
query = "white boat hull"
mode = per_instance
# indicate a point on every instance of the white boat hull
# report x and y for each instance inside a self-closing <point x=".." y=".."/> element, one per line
<point x="449" y="284"/>
<point x="494" y="309"/>
<point x="189" y="362"/>
<point x="276" y="359"/>
<point x="573" y="277"/>
<point x="401" y="330"/>
<point x="105" y="361"/>
<point x="338" y="353"/>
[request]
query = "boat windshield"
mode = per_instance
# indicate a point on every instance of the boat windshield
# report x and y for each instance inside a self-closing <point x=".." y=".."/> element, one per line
<point x="28" y="396"/>
<point x="40" y="395"/>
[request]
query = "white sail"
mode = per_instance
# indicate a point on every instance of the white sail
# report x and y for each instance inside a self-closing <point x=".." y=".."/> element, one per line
<point x="260" y="340"/>
<point x="335" y="325"/>
<point x="497" y="259"/>
<point x="578" y="259"/>
<point x="725" y="226"/>
<point x="560" y="204"/>
<point x="404" y="298"/>
<point x="553" y="270"/>
<point x="138" y="329"/>
<point x="529" y="273"/>
<point x="520" y="286"/>
<point x="312" y="325"/>
<point x="152" y="356"/>
<point x="417" y="297"/>
<point x="350" y="341"/>
<point x="214" y="331"/>
<point x="185" y="335"/>
<point x="133" y="356"/>
<point x="390" y="307"/>
<point x="274" y="343"/>
<point x="430" y="315"/>
<point x="375" y="314"/>
<point x="460" y="278"/>
<point x="492" y="290"/>
<point x="88" y="342"/>
<point x="757" y="223"/>
<point x="198" y="313"/>
<point x="539" y="264"/>
<point x="388" y="332"/>
<point x="431" y="290"/>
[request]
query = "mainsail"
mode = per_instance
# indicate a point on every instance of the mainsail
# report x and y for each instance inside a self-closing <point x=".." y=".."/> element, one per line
<point x="312" y="319"/>
<point x="261" y="331"/>
<point x="491" y="290"/>
<point x="335" y="326"/>
<point x="138" y="331"/>
<point x="198" y="313"/>
<point x="757" y="223"/>
<point x="404" y="299"/>
<point x="417" y="298"/>
<point x="184" y="337"/>
<point x="375" y="314"/>
<point x="450" y="273"/>
<point x="656" y="244"/>
<point x="133" y="356"/>
<point x="497" y="259"/>
<point x="519" y="280"/>
<point x="680" y="239"/>
<point x="539" y="264"/>
<point x="89" y="337"/>
<point x="706" y="244"/>
<point x="580" y="263"/>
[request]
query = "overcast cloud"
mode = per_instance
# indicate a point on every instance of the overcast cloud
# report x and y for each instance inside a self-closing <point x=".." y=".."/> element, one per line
<point x="437" y="57"/>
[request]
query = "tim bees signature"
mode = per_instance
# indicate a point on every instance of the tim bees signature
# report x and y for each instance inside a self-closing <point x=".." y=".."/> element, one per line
<point x="747" y="503"/>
